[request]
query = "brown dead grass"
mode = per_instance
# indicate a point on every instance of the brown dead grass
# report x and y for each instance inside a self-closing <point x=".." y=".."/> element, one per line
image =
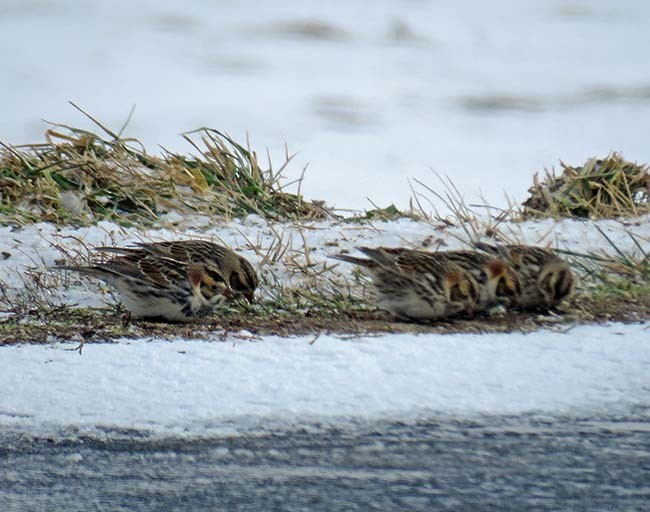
<point x="601" y="188"/>
<point x="79" y="177"/>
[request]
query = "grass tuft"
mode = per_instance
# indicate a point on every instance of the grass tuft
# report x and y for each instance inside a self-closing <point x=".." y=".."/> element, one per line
<point x="387" y="214"/>
<point x="602" y="188"/>
<point x="79" y="177"/>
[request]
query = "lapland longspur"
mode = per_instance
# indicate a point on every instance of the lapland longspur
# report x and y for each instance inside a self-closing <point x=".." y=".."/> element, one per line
<point x="415" y="284"/>
<point x="546" y="279"/>
<point x="498" y="282"/>
<point x="174" y="281"/>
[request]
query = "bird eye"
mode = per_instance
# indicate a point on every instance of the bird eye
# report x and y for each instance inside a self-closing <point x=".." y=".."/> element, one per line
<point x="237" y="283"/>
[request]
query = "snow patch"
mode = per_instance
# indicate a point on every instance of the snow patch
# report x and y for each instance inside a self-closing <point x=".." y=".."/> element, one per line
<point x="199" y="388"/>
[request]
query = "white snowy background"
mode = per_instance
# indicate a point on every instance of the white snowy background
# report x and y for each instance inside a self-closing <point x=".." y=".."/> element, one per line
<point x="370" y="95"/>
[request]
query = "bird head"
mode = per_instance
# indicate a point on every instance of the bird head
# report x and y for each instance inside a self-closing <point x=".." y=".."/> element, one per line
<point x="506" y="282"/>
<point x="555" y="282"/>
<point x="462" y="289"/>
<point x="243" y="280"/>
<point x="208" y="284"/>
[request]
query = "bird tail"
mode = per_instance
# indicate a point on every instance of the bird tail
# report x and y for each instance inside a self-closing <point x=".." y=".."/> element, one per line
<point x="378" y="255"/>
<point x="122" y="251"/>
<point x="91" y="271"/>
<point x="351" y="259"/>
<point x="498" y="250"/>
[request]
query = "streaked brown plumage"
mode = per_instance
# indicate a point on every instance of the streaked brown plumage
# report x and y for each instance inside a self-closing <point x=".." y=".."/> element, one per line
<point x="174" y="281"/>
<point x="415" y="284"/>
<point x="498" y="282"/>
<point x="546" y="279"/>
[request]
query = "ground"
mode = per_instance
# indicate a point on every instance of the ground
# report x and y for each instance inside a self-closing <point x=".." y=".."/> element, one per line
<point x="102" y="325"/>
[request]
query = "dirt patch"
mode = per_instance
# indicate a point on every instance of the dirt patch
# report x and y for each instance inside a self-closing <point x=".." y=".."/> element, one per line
<point x="89" y="326"/>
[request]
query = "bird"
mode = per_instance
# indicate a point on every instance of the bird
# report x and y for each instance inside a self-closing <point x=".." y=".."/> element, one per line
<point x="415" y="285"/>
<point x="175" y="281"/>
<point x="499" y="283"/>
<point x="546" y="279"/>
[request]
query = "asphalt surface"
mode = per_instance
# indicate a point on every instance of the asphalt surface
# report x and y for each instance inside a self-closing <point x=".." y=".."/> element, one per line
<point x="514" y="463"/>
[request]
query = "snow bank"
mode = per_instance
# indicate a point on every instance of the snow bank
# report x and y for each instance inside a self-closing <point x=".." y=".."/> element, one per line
<point x="198" y="388"/>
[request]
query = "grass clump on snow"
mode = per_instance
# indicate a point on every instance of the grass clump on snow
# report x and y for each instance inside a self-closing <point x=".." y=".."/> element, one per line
<point x="612" y="282"/>
<point x="601" y="188"/>
<point x="621" y="269"/>
<point x="79" y="177"/>
<point x="387" y="214"/>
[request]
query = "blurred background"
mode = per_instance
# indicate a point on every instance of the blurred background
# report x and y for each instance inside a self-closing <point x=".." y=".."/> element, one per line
<point x="369" y="94"/>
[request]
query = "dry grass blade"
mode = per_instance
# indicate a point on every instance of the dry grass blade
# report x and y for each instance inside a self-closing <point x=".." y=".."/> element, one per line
<point x="624" y="266"/>
<point x="475" y="225"/>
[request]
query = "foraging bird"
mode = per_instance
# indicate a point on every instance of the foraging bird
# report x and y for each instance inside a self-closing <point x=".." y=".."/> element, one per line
<point x="498" y="282"/>
<point x="415" y="284"/>
<point x="546" y="279"/>
<point x="174" y="281"/>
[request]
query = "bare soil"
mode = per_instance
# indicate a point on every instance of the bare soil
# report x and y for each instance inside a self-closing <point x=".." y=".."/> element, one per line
<point x="93" y="326"/>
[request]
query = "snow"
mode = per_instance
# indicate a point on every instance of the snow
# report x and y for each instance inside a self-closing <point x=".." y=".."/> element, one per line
<point x="399" y="93"/>
<point x="487" y="93"/>
<point x="211" y="387"/>
<point x="202" y="388"/>
<point x="34" y="247"/>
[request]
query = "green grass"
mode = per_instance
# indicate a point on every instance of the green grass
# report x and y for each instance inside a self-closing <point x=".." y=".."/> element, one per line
<point x="387" y="214"/>
<point x="78" y="177"/>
